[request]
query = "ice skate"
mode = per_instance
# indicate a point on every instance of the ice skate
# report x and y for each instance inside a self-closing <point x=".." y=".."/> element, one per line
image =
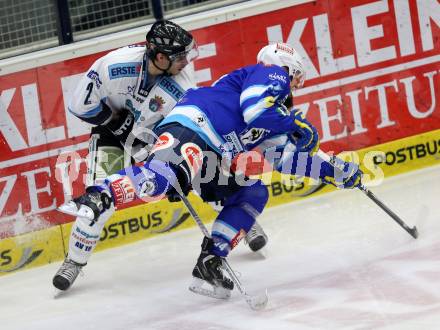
<point x="256" y="238"/>
<point x="67" y="274"/>
<point x="208" y="273"/>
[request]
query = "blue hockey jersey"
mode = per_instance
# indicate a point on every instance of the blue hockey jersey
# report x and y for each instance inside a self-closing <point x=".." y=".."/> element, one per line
<point x="239" y="111"/>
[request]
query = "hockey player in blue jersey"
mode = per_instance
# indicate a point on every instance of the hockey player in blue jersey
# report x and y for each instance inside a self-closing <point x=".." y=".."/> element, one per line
<point x="198" y="141"/>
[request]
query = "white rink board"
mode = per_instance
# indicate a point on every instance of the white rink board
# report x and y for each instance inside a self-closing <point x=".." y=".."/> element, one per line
<point x="334" y="262"/>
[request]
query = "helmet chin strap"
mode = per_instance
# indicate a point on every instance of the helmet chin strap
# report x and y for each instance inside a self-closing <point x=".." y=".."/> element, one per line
<point x="165" y="71"/>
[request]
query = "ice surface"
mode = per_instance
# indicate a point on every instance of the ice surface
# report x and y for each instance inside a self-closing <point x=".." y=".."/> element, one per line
<point x="333" y="262"/>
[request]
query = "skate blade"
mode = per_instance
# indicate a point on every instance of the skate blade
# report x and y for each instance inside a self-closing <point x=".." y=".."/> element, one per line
<point x="71" y="209"/>
<point x="257" y="302"/>
<point x="261" y="253"/>
<point x="213" y="291"/>
<point x="57" y="293"/>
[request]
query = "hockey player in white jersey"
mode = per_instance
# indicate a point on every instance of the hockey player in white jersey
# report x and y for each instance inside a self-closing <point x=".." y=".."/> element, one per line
<point x="198" y="141"/>
<point x="125" y="94"/>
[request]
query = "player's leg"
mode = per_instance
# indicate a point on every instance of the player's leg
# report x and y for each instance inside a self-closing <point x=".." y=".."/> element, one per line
<point x="105" y="157"/>
<point x="255" y="238"/>
<point x="241" y="207"/>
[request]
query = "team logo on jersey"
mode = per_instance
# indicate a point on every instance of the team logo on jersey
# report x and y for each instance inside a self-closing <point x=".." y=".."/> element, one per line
<point x="275" y="88"/>
<point x="93" y="75"/>
<point x="193" y="156"/>
<point x="253" y="135"/>
<point x="165" y="140"/>
<point x="156" y="103"/>
<point x="200" y="120"/>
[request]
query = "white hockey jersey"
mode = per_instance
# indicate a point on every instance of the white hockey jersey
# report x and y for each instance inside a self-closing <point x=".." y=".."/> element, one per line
<point x="119" y="80"/>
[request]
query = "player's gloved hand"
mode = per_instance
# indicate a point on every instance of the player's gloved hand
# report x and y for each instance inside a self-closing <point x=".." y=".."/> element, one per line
<point x="174" y="196"/>
<point x="305" y="137"/>
<point x="347" y="175"/>
<point x="90" y="205"/>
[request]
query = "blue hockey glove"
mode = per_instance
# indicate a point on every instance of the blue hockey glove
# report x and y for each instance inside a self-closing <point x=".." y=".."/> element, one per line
<point x="305" y="138"/>
<point x="347" y="175"/>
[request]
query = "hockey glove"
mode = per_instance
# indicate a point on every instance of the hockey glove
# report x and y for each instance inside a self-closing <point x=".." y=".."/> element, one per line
<point x="121" y="124"/>
<point x="90" y="205"/>
<point x="305" y="138"/>
<point x="347" y="175"/>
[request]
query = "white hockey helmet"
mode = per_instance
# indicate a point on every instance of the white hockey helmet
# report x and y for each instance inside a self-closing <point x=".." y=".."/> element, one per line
<point x="285" y="56"/>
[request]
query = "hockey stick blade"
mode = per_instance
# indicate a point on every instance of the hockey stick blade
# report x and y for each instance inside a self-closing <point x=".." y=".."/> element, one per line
<point x="257" y="302"/>
<point x="414" y="232"/>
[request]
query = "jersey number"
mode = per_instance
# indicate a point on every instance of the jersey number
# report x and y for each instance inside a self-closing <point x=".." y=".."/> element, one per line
<point x="89" y="89"/>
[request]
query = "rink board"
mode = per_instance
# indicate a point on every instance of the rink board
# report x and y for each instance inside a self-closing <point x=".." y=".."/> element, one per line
<point x="144" y="221"/>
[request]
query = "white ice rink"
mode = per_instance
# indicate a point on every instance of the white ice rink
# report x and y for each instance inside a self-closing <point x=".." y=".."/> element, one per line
<point x="333" y="262"/>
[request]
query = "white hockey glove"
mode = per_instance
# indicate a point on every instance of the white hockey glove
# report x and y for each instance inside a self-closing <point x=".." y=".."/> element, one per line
<point x="89" y="205"/>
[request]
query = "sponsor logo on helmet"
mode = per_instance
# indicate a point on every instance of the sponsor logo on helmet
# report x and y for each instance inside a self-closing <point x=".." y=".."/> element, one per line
<point x="165" y="140"/>
<point x="193" y="156"/>
<point x="156" y="103"/>
<point x="285" y="48"/>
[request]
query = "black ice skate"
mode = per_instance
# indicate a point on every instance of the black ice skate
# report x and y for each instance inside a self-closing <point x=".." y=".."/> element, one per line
<point x="209" y="269"/>
<point x="256" y="237"/>
<point x="67" y="274"/>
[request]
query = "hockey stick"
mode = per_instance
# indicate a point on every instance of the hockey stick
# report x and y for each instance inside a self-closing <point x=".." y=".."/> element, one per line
<point x="412" y="231"/>
<point x="255" y="302"/>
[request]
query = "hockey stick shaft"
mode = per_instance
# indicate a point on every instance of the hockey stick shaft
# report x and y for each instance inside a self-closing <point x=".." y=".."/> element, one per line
<point x="255" y="303"/>
<point x="412" y="231"/>
<point x="195" y="215"/>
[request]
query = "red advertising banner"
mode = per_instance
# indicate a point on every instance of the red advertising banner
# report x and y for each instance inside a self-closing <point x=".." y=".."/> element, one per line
<point x="372" y="77"/>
